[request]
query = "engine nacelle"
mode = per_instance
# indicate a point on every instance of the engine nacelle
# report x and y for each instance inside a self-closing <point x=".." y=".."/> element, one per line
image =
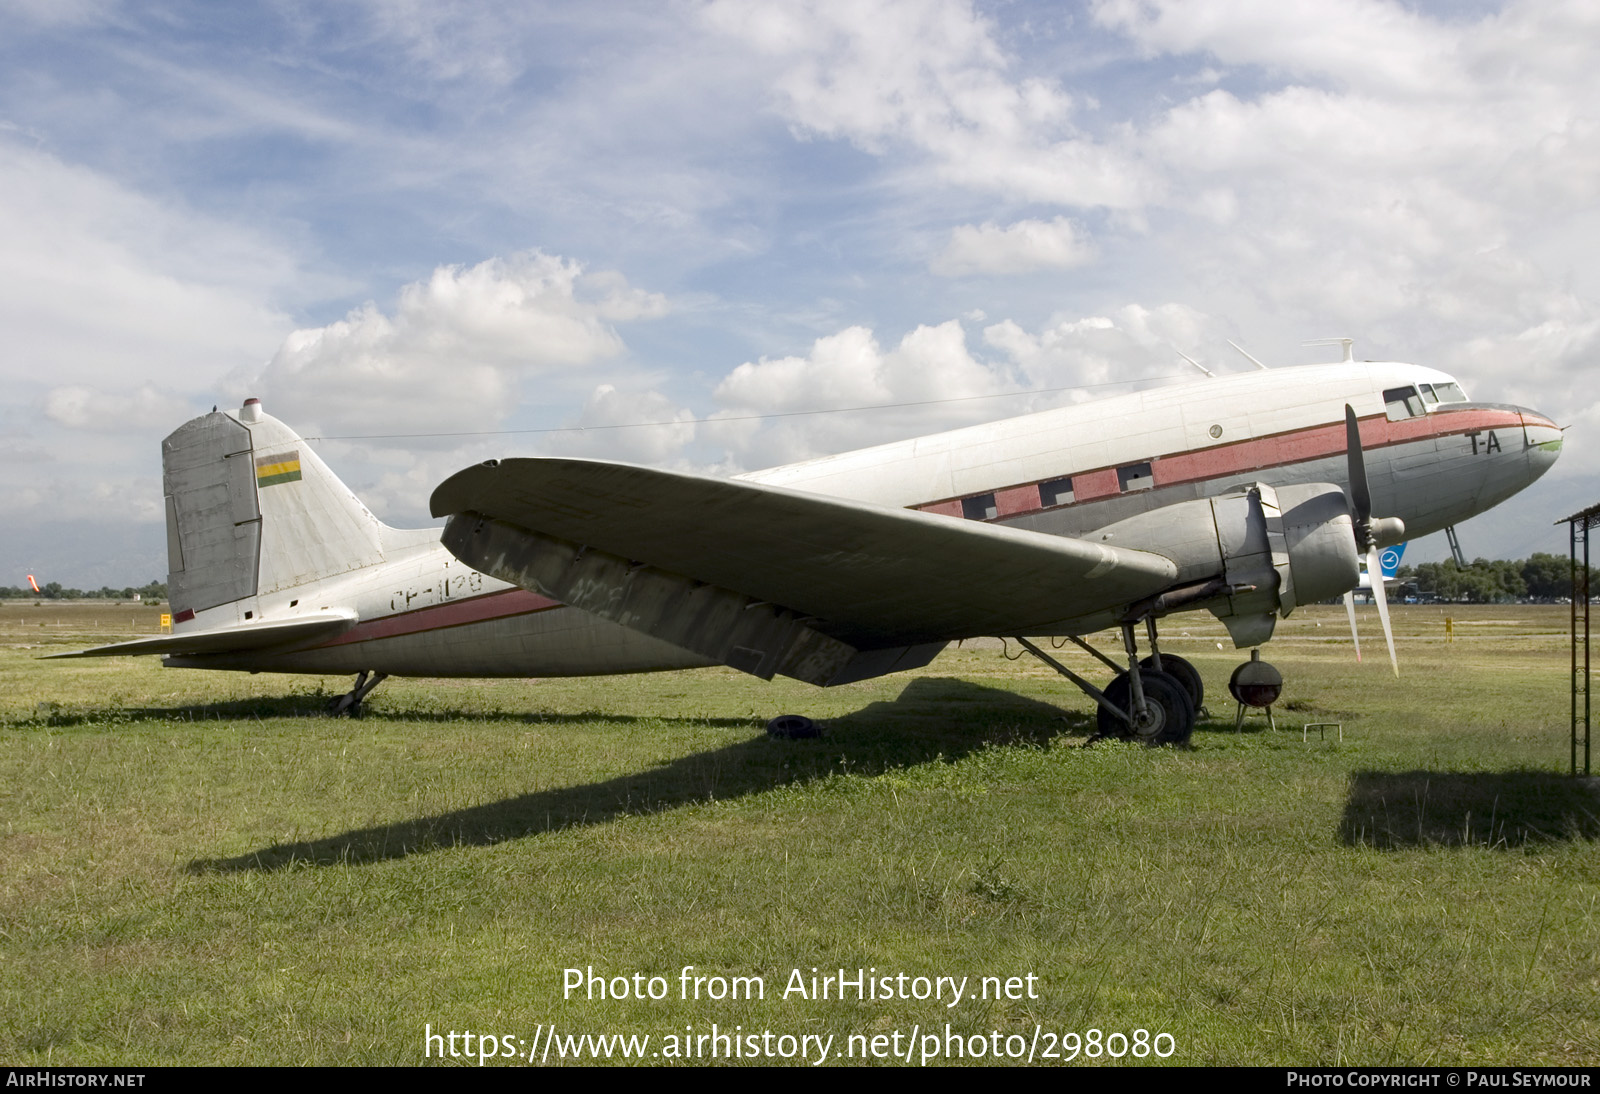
<point x="1274" y="549"/>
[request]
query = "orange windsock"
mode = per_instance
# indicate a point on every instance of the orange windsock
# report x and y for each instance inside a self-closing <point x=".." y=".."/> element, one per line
<point x="34" y="583"/>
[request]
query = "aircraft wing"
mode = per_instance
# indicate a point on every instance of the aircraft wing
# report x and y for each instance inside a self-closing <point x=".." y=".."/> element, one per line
<point x="693" y="559"/>
<point x="247" y="636"/>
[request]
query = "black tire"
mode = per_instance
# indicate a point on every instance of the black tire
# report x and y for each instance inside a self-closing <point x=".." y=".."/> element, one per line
<point x="1172" y="715"/>
<point x="1185" y="673"/>
<point x="793" y="727"/>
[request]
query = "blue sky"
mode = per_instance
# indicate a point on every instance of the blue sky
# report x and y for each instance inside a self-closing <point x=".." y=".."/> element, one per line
<point x="409" y="218"/>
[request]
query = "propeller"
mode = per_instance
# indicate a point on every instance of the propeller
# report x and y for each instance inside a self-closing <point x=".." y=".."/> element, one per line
<point x="1350" y="610"/>
<point x="1371" y="533"/>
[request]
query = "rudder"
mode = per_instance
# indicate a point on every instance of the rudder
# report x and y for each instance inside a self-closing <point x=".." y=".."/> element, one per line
<point x="252" y="510"/>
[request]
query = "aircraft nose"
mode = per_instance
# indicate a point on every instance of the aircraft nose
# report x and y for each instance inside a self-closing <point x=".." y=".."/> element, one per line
<point x="1541" y="440"/>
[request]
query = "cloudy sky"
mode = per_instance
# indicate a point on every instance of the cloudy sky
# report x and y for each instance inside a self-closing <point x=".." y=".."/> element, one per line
<point x="432" y="232"/>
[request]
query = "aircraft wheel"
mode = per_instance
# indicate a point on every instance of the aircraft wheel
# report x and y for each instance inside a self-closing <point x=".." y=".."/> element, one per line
<point x="1185" y="673"/>
<point x="1170" y="716"/>
<point x="792" y="727"/>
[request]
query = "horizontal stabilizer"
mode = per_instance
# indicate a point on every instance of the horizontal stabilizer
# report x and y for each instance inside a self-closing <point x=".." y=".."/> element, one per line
<point x="869" y="575"/>
<point x="250" y="636"/>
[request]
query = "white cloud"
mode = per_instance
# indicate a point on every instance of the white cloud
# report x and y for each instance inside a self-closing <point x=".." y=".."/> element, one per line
<point x="867" y="394"/>
<point x="1023" y="247"/>
<point x="452" y="354"/>
<point x="78" y="407"/>
<point x="69" y="495"/>
<point x="103" y="286"/>
<point x="930" y="366"/>
<point x="655" y="430"/>
<point x="928" y="76"/>
<point x="1133" y="342"/>
<point x="449" y="40"/>
<point x="1366" y="40"/>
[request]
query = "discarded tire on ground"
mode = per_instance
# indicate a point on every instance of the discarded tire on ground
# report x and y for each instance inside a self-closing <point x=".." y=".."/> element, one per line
<point x="793" y="727"/>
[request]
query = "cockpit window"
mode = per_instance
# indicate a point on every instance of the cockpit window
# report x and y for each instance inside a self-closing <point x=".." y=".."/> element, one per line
<point x="1403" y="403"/>
<point x="1428" y="395"/>
<point x="1450" y="393"/>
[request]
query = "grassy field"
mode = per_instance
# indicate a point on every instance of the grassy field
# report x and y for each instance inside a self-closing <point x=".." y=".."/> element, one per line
<point x="199" y="868"/>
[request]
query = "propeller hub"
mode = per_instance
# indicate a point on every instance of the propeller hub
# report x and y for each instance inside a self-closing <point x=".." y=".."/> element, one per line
<point x="1386" y="531"/>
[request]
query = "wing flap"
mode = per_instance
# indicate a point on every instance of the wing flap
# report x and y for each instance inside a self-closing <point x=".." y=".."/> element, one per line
<point x="249" y="636"/>
<point x="867" y="574"/>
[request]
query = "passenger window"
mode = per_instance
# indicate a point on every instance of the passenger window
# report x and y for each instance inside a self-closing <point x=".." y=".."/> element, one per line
<point x="1402" y="403"/>
<point x="1057" y="492"/>
<point x="1136" y="476"/>
<point x="981" y="507"/>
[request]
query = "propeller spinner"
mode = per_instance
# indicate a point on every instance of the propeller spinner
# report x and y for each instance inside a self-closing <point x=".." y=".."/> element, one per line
<point x="1372" y="533"/>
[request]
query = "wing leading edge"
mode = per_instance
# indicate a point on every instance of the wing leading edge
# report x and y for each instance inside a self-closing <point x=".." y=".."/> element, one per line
<point x="771" y="580"/>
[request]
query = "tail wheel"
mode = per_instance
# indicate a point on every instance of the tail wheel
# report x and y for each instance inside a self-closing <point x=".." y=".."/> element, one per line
<point x="1169" y="715"/>
<point x="1182" y="671"/>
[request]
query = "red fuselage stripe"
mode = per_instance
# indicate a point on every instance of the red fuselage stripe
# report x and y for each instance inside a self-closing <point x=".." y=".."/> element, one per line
<point x="456" y="613"/>
<point x="1277" y="450"/>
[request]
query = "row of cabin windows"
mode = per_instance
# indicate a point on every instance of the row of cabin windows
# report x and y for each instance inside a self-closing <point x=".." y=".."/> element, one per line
<point x="1400" y="402"/>
<point x="1136" y="476"/>
<point x="1413" y="402"/>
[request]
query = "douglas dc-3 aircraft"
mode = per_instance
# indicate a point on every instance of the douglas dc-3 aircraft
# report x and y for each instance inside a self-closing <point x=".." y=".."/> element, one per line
<point x="1242" y="495"/>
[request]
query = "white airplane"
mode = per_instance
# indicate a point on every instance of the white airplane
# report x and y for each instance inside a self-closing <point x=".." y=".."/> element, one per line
<point x="1389" y="561"/>
<point x="1243" y="495"/>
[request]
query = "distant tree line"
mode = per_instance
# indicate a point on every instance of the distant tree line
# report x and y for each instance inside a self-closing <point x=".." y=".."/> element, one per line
<point x="1492" y="581"/>
<point x="1487" y="581"/>
<point x="155" y="590"/>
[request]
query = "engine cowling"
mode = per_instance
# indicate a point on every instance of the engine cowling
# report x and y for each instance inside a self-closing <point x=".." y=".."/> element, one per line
<point x="1273" y="548"/>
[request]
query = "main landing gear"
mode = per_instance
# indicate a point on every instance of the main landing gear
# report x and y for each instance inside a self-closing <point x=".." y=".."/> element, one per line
<point x="1154" y="701"/>
<point x="350" y="702"/>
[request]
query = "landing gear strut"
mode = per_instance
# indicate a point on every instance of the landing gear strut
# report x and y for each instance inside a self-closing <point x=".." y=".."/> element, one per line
<point x="1154" y="701"/>
<point x="350" y="702"/>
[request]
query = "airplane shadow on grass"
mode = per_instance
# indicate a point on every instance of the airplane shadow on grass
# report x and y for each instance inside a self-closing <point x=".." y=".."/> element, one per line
<point x="1392" y="810"/>
<point x="932" y="720"/>
<point x="309" y="705"/>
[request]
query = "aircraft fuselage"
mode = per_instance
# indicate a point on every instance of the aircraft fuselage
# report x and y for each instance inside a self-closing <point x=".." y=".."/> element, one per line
<point x="1433" y="460"/>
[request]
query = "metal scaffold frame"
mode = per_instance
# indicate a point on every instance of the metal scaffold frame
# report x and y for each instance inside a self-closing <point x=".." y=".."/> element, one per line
<point x="1578" y="526"/>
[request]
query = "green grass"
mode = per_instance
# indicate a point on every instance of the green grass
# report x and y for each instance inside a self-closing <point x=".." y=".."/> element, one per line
<point x="199" y="868"/>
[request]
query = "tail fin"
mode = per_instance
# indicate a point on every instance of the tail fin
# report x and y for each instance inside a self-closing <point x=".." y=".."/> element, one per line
<point x="1390" y="560"/>
<point x="251" y="510"/>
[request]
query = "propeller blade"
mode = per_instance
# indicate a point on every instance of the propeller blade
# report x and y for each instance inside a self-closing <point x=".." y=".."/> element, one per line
<point x="1350" y="610"/>
<point x="1360" y="496"/>
<point x="1380" y="595"/>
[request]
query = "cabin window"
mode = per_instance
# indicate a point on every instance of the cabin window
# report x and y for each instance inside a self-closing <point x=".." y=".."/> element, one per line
<point x="1056" y="492"/>
<point x="1136" y="476"/>
<point x="981" y="507"/>
<point x="1403" y="403"/>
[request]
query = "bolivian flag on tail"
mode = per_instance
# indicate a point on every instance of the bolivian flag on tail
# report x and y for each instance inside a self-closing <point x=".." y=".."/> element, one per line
<point x="283" y="467"/>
